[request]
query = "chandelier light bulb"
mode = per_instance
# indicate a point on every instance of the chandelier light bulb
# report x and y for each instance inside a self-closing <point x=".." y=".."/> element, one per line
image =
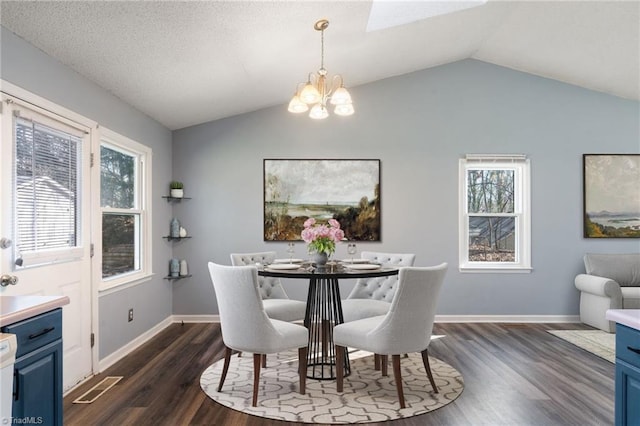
<point x="341" y="96"/>
<point x="344" y="109"/>
<point x="309" y="94"/>
<point x="297" y="106"/>
<point x="319" y="112"/>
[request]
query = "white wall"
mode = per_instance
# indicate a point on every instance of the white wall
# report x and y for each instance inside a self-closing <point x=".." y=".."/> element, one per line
<point x="418" y="125"/>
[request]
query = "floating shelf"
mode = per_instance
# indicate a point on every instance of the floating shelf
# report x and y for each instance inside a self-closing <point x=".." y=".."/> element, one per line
<point x="170" y="278"/>
<point x="170" y="198"/>
<point x="176" y="238"/>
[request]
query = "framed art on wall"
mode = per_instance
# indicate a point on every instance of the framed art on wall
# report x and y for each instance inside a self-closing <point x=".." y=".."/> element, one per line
<point x="298" y="189"/>
<point x="611" y="195"/>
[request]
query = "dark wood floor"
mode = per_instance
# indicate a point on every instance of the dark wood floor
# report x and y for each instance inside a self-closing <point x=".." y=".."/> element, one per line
<point x="514" y="374"/>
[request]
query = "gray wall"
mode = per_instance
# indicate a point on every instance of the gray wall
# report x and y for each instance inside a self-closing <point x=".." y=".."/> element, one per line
<point x="418" y="125"/>
<point x="27" y="67"/>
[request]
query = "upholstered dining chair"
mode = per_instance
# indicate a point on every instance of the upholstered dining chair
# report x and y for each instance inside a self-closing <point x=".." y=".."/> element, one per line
<point x="404" y="329"/>
<point x="371" y="297"/>
<point x="275" y="300"/>
<point x="246" y="326"/>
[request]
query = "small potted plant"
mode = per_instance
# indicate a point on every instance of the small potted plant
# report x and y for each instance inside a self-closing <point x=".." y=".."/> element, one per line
<point x="177" y="189"/>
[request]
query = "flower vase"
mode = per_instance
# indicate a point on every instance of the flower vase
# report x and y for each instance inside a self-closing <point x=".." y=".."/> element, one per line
<point x="320" y="259"/>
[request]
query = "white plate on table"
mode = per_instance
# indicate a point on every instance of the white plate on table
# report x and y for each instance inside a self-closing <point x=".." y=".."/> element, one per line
<point x="288" y="261"/>
<point x="283" y="266"/>
<point x="362" y="266"/>
<point x="355" y="260"/>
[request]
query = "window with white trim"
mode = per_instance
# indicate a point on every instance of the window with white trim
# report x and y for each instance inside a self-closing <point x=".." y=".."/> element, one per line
<point x="47" y="180"/>
<point x="125" y="179"/>
<point x="494" y="210"/>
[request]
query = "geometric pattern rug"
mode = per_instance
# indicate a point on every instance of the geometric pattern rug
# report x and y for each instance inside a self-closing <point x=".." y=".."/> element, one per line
<point x="367" y="397"/>
<point x="597" y="342"/>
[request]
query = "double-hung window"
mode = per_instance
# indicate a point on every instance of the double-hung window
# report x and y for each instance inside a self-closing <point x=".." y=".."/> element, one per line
<point x="495" y="223"/>
<point x="125" y="179"/>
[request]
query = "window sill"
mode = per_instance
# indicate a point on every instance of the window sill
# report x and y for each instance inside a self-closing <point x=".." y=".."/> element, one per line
<point x="123" y="283"/>
<point x="495" y="270"/>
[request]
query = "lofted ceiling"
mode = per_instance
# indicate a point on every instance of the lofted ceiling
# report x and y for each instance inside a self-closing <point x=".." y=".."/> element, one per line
<point x="188" y="62"/>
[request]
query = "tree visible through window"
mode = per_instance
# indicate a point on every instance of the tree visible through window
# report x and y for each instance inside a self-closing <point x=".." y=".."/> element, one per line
<point x="494" y="213"/>
<point x="121" y="212"/>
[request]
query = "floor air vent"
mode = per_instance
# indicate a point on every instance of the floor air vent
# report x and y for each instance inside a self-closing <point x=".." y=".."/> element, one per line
<point x="98" y="390"/>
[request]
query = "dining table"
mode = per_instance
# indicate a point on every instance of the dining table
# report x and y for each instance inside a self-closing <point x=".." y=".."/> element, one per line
<point x="324" y="307"/>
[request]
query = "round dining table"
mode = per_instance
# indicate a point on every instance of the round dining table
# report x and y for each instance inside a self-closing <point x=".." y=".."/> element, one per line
<point x="324" y="307"/>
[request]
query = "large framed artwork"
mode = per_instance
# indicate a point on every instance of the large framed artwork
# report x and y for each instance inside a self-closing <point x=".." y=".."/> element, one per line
<point x="345" y="190"/>
<point x="611" y="195"/>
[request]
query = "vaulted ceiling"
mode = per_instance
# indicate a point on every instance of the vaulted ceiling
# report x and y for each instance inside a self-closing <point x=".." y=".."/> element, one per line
<point x="188" y="62"/>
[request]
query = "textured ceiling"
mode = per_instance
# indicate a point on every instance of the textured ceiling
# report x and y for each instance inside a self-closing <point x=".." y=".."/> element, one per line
<point x="184" y="63"/>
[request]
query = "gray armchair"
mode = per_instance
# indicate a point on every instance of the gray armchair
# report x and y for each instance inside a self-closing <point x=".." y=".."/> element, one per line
<point x="371" y="297"/>
<point x="275" y="300"/>
<point x="612" y="281"/>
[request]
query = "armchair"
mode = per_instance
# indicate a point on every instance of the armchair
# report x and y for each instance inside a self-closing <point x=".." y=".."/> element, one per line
<point x="612" y="281"/>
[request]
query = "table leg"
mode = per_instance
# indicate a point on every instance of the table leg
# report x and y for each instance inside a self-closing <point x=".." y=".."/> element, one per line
<point x="324" y="311"/>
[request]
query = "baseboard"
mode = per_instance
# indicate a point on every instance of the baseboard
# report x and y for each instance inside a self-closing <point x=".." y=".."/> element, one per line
<point x="196" y="318"/>
<point x="508" y="318"/>
<point x="125" y="350"/>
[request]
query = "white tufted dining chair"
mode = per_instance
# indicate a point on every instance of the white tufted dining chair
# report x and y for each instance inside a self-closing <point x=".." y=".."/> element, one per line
<point x="275" y="300"/>
<point x="246" y="327"/>
<point x="405" y="328"/>
<point x="371" y="297"/>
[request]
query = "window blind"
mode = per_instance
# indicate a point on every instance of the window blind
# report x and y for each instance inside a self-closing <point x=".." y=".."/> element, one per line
<point x="46" y="187"/>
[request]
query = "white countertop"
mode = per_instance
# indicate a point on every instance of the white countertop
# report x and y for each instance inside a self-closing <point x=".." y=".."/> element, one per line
<point x="628" y="317"/>
<point x="18" y="308"/>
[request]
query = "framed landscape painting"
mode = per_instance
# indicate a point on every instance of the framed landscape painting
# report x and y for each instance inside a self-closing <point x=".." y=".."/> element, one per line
<point x="345" y="190"/>
<point x="611" y="195"/>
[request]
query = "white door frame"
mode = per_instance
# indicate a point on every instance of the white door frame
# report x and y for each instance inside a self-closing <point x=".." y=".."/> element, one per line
<point x="42" y="103"/>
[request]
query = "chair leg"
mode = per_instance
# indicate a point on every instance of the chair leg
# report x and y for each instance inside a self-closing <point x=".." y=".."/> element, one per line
<point x="398" y="378"/>
<point x="427" y="367"/>
<point x="376" y="362"/>
<point x="257" y="359"/>
<point x="225" y="367"/>
<point x="302" y="367"/>
<point x="339" y="367"/>
<point x="264" y="361"/>
<point x="384" y="360"/>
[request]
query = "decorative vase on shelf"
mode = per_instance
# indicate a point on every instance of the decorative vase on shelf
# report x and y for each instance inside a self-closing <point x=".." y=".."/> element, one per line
<point x="174" y="229"/>
<point x="184" y="268"/>
<point x="320" y="259"/>
<point x="177" y="193"/>
<point x="174" y="268"/>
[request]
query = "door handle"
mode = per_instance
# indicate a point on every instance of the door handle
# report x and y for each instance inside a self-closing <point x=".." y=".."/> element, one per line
<point x="6" y="280"/>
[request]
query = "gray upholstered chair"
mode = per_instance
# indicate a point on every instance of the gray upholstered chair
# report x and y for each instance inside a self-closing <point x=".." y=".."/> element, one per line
<point x="371" y="297"/>
<point x="275" y="300"/>
<point x="405" y="328"/>
<point x="245" y="325"/>
<point x="612" y="281"/>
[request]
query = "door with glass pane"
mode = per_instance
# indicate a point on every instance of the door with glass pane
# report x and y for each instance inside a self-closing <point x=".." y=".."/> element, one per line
<point x="45" y="196"/>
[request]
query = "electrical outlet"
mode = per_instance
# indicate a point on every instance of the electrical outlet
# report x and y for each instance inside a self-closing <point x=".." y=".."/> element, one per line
<point x="130" y="314"/>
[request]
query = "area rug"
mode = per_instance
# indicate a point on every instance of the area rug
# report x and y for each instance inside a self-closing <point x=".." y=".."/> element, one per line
<point x="597" y="342"/>
<point x="367" y="397"/>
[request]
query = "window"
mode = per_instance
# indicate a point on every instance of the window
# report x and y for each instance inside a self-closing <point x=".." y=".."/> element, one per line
<point x="495" y="230"/>
<point x="47" y="186"/>
<point x="125" y="176"/>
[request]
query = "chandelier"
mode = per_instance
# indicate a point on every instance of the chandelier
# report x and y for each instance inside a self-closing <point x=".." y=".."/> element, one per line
<point x="320" y="90"/>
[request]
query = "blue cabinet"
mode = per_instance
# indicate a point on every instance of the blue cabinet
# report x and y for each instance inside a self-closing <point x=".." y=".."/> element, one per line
<point x="627" y="376"/>
<point x="37" y="385"/>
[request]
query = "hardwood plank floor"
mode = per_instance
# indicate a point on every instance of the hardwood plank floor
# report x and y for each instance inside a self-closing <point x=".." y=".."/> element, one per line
<point x="515" y="374"/>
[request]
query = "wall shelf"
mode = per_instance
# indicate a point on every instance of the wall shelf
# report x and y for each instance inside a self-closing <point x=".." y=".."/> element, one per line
<point x="179" y="277"/>
<point x="168" y="237"/>
<point x="170" y="198"/>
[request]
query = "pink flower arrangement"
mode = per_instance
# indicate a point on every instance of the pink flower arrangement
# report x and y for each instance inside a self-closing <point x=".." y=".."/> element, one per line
<point x="322" y="238"/>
